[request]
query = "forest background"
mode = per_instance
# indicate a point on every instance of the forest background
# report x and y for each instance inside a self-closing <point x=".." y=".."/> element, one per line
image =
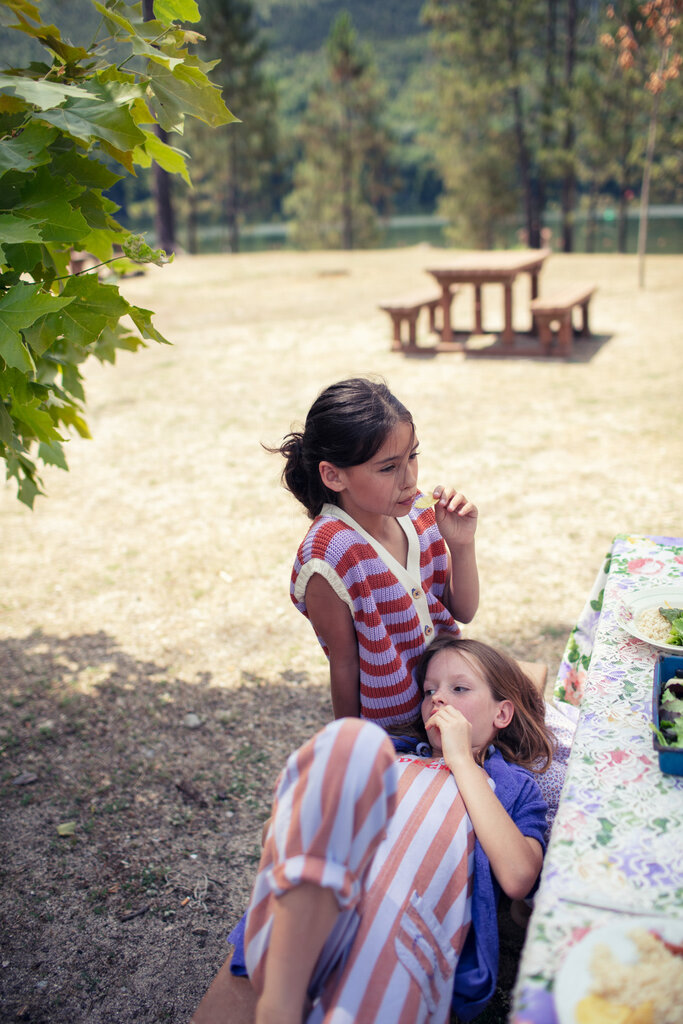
<point x="500" y="118"/>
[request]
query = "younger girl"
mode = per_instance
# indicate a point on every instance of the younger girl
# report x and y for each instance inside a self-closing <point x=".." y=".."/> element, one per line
<point x="377" y="575"/>
<point x="370" y="903"/>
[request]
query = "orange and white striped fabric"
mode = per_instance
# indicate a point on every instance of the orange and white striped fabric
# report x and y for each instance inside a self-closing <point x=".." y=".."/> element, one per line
<point x="391" y="837"/>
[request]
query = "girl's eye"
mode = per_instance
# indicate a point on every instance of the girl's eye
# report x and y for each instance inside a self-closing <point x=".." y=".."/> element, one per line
<point x="388" y="469"/>
<point x="414" y="455"/>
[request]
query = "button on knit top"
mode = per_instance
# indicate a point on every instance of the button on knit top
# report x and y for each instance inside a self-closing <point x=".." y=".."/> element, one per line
<point x="396" y="611"/>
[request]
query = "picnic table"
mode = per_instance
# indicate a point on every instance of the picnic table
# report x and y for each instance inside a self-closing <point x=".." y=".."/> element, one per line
<point x="615" y="853"/>
<point x="487" y="267"/>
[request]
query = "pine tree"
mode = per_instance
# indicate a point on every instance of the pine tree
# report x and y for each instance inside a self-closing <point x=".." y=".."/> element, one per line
<point x="344" y="179"/>
<point x="236" y="169"/>
<point x="505" y="96"/>
<point x="610" y="141"/>
<point x="649" y="41"/>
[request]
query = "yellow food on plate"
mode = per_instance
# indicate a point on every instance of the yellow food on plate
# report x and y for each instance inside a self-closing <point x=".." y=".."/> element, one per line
<point x="647" y="991"/>
<point x="425" y="501"/>
<point x="596" y="1010"/>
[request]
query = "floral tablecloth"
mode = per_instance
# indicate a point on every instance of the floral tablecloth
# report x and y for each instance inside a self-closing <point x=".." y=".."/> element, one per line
<point x="617" y="842"/>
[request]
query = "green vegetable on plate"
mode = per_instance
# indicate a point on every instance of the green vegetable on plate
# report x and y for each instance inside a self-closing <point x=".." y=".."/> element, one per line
<point x="674" y="616"/>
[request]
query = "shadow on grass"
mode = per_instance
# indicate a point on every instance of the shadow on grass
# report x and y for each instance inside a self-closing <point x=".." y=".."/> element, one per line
<point x="164" y="816"/>
<point x="132" y="802"/>
<point x="525" y="347"/>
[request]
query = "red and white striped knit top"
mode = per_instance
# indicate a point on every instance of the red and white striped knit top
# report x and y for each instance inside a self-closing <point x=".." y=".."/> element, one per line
<point x="396" y="611"/>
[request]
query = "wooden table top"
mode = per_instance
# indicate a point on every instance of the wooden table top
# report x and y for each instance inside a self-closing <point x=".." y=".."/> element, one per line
<point x="491" y="264"/>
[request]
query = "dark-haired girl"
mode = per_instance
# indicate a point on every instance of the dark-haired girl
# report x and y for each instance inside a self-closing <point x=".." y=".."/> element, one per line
<point x="377" y="575"/>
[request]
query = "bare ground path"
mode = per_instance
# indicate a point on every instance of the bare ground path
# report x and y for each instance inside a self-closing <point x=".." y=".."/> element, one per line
<point x="151" y="585"/>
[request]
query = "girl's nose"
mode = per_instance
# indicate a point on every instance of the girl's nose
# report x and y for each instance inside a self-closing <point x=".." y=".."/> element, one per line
<point x="410" y="477"/>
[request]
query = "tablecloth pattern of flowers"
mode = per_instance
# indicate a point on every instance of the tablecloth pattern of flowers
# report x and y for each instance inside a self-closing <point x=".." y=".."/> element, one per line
<point x="618" y="835"/>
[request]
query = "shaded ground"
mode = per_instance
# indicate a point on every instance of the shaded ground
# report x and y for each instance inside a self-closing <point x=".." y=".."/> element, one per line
<point x="153" y="673"/>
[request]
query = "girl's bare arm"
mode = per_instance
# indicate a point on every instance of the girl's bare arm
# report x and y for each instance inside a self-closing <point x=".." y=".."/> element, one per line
<point x="516" y="860"/>
<point x="457" y="518"/>
<point x="461" y="595"/>
<point x="333" y="623"/>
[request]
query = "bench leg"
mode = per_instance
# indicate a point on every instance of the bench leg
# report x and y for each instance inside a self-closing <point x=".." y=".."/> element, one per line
<point x="396" y="344"/>
<point x="478" y="312"/>
<point x="446" y="306"/>
<point x="545" y="334"/>
<point x="446" y="325"/>
<point x="565" y="333"/>
<point x="508" y="333"/>
<point x="584" y="330"/>
<point x="412" y="330"/>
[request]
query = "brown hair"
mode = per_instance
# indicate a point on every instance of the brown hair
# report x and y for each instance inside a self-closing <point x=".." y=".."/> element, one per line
<point x="526" y="741"/>
<point x="346" y="425"/>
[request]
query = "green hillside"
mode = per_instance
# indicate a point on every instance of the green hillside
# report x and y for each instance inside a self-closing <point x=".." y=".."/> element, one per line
<point x="301" y="26"/>
<point x="297" y="31"/>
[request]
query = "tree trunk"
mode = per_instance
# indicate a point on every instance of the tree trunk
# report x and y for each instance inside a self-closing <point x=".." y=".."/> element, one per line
<point x="192" y="238"/>
<point x="164" y="220"/>
<point x="569" y="178"/>
<point x="549" y="95"/>
<point x="232" y="200"/>
<point x="645" y="190"/>
<point x="622" y="222"/>
<point x="530" y="185"/>
<point x="347" y="180"/>
<point x="591" y="217"/>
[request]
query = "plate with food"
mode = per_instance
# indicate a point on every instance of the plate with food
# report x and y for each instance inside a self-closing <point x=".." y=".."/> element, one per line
<point x="655" y="615"/>
<point x="625" y="973"/>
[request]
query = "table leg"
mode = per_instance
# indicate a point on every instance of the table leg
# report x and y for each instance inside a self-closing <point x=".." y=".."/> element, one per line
<point x="534" y="284"/>
<point x="534" y="295"/>
<point x="446" y="327"/>
<point x="478" y="312"/>
<point x="508" y="336"/>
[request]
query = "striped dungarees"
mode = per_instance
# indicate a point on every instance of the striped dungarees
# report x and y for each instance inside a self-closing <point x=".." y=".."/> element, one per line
<point x="391" y="837"/>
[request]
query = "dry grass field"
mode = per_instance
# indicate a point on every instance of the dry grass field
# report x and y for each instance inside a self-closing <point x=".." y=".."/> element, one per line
<point x="152" y="585"/>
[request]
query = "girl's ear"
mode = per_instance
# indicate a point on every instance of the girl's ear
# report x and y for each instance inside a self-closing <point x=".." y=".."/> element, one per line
<point x="330" y="476"/>
<point x="504" y="714"/>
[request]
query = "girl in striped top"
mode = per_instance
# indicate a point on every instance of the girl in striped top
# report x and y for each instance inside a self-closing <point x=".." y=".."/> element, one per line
<point x="377" y="575"/>
<point x="370" y="877"/>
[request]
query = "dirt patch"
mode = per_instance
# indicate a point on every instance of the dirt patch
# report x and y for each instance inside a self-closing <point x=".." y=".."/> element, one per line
<point x="153" y="672"/>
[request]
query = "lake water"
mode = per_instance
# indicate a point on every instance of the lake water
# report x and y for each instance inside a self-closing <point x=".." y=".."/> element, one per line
<point x="665" y="233"/>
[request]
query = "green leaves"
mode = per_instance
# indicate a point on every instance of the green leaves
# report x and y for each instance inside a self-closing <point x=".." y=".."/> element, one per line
<point x="137" y="250"/>
<point x="100" y="117"/>
<point x="67" y="126"/>
<point x="98" y="305"/>
<point x="20" y="307"/>
<point x="154" y="150"/>
<point x="28" y="149"/>
<point x="176" y="10"/>
<point x="182" y="91"/>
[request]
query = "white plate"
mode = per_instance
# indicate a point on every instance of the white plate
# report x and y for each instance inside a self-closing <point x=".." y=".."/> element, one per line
<point x="632" y="605"/>
<point x="574" y="979"/>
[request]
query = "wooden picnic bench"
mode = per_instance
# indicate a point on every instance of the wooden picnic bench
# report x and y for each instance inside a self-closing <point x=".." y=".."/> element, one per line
<point x="557" y="309"/>
<point x="407" y="310"/>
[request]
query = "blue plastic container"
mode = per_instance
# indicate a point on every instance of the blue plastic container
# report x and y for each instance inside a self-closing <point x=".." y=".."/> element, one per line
<point x="666" y="667"/>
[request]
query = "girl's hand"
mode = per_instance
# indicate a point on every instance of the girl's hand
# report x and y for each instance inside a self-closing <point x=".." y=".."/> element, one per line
<point x="450" y="732"/>
<point x="456" y="517"/>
